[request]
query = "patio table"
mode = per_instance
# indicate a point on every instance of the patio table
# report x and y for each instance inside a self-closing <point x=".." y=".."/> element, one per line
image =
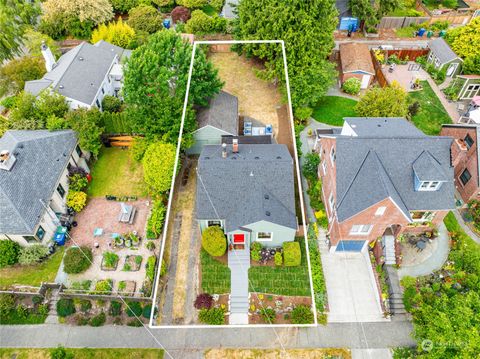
<point x="421" y="245"/>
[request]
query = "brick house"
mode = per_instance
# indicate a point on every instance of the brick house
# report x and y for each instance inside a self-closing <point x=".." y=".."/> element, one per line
<point x="382" y="177"/>
<point x="465" y="158"/>
<point x="356" y="61"/>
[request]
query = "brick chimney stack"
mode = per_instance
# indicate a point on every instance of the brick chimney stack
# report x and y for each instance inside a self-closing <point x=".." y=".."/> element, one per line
<point x="235" y="145"/>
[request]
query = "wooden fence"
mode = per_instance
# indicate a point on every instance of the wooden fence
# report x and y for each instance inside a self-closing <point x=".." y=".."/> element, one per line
<point x="454" y="17"/>
<point x="412" y="54"/>
<point x="398" y="22"/>
<point x="382" y="80"/>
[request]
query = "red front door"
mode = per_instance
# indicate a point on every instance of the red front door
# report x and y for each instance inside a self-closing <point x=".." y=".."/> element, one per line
<point x="239" y="239"/>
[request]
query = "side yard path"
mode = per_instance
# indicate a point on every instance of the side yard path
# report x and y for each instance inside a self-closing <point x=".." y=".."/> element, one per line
<point x="466" y="228"/>
<point x="449" y="107"/>
<point x="333" y="335"/>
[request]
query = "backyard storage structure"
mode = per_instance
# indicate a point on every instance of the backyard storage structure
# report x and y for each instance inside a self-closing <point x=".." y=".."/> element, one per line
<point x="219" y="119"/>
<point x="469" y="86"/>
<point x="356" y="61"/>
<point x="443" y="57"/>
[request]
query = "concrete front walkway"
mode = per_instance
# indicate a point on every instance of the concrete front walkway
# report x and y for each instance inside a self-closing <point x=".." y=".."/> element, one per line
<point x="351" y="288"/>
<point x="432" y="263"/>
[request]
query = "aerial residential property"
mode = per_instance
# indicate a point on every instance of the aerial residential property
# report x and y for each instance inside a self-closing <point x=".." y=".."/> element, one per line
<point x="33" y="182"/>
<point x="443" y="57"/>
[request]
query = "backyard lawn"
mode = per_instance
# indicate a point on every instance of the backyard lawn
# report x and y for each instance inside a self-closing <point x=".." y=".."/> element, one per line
<point x="116" y="173"/>
<point x="332" y="109"/>
<point x="431" y="115"/>
<point x="281" y="280"/>
<point x="83" y="353"/>
<point x="215" y="275"/>
<point x="32" y="275"/>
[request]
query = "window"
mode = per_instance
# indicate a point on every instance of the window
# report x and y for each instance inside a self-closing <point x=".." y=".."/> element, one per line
<point x="429" y="185"/>
<point x="468" y="141"/>
<point x="361" y="229"/>
<point x="78" y="150"/>
<point x="331" y="202"/>
<point x="324" y="166"/>
<point x="380" y="211"/>
<point x="332" y="156"/>
<point x="40" y="233"/>
<point x="61" y="190"/>
<point x="214" y="223"/>
<point x="103" y="91"/>
<point x="422" y="216"/>
<point x="264" y="236"/>
<point x="30" y="239"/>
<point x="465" y="177"/>
<point x="98" y="103"/>
<point x="471" y="91"/>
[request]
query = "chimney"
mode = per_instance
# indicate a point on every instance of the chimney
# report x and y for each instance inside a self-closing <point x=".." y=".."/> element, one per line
<point x="48" y="56"/>
<point x="224" y="150"/>
<point x="235" y="145"/>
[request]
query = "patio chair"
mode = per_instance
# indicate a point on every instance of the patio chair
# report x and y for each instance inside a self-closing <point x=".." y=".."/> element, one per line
<point x="127" y="213"/>
<point x="97" y="232"/>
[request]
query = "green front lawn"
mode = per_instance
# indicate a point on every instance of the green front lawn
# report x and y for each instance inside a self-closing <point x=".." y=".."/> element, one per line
<point x="332" y="109"/>
<point x="116" y="173"/>
<point x="83" y="353"/>
<point x="431" y="115"/>
<point x="32" y="275"/>
<point x="215" y="275"/>
<point x="281" y="280"/>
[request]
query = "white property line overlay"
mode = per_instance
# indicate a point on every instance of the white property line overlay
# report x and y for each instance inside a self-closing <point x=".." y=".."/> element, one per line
<point x="172" y="188"/>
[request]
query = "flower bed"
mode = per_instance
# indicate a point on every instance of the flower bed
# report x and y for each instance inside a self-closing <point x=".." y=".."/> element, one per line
<point x="274" y="309"/>
<point x="15" y="309"/>
<point x="132" y="263"/>
<point x="126" y="287"/>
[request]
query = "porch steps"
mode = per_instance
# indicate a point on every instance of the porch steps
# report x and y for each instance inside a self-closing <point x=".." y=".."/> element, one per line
<point x="389" y="249"/>
<point x="239" y="263"/>
<point x="397" y="308"/>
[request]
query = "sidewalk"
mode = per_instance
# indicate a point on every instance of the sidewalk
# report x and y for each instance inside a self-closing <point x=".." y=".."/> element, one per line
<point x="448" y="106"/>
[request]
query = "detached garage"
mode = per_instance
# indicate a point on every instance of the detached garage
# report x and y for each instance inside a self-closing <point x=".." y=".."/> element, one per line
<point x="356" y="61"/>
<point x="219" y="119"/>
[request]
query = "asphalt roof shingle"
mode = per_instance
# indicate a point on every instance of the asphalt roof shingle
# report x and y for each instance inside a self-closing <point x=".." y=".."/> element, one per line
<point x="41" y="157"/>
<point x="442" y="50"/>
<point x="222" y="113"/>
<point x="255" y="184"/>
<point x="355" y="56"/>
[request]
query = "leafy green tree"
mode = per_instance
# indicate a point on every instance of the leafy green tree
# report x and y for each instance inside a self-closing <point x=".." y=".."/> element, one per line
<point x="123" y="6"/>
<point x="9" y="252"/>
<point x="307" y="29"/>
<point x="33" y="42"/>
<point x="117" y="33"/>
<point x="387" y="6"/>
<point x="388" y="101"/>
<point x="96" y="11"/>
<point x="471" y="65"/>
<point x="88" y="125"/>
<point x="145" y="18"/>
<point x="15" y="16"/>
<point x="158" y="163"/>
<point x="214" y="241"/>
<point x="201" y="23"/>
<point x="464" y="40"/>
<point x="32" y="254"/>
<point x="15" y="72"/>
<point x="192" y="4"/>
<point x="363" y="10"/>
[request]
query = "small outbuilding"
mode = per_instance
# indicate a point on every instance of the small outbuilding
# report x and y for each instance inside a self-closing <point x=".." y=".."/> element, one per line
<point x="443" y="57"/>
<point x="356" y="61"/>
<point x="469" y="86"/>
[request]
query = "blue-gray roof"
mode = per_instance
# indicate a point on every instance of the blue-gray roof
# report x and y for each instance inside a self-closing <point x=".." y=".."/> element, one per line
<point x="221" y="113"/>
<point x="41" y="157"/>
<point x="370" y="168"/>
<point x="254" y="185"/>
<point x="382" y="126"/>
<point x="442" y="50"/>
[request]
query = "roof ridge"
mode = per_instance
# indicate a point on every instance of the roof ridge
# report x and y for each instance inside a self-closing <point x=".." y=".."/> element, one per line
<point x="77" y="48"/>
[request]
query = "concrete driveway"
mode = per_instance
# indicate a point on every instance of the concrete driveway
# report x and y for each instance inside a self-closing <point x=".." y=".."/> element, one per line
<point x="352" y="291"/>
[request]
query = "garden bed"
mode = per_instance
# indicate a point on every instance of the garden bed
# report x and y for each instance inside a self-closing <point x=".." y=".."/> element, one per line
<point x="132" y="263"/>
<point x="126" y="287"/>
<point x="282" y="305"/>
<point x="22" y="310"/>
<point x="109" y="261"/>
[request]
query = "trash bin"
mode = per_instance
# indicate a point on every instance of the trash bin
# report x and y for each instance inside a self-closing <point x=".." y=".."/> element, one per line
<point x="60" y="235"/>
<point x="429" y="34"/>
<point x="421" y="32"/>
<point x="442" y="33"/>
<point x="166" y="23"/>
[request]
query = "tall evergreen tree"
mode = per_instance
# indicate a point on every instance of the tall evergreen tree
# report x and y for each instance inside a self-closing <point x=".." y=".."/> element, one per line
<point x="307" y="29"/>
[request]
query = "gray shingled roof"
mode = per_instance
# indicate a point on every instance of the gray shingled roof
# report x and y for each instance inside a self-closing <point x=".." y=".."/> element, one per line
<point x="427" y="168"/>
<point x="222" y="113"/>
<point x="372" y="168"/>
<point x="383" y="126"/>
<point x="234" y="188"/>
<point x="79" y="73"/>
<point x="441" y="50"/>
<point x="227" y="11"/>
<point x="41" y="157"/>
<point x="120" y="51"/>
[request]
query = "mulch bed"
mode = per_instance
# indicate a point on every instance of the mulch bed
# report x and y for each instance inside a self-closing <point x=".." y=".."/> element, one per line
<point x="282" y="304"/>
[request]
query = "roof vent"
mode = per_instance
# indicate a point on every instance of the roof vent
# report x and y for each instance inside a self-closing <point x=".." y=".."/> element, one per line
<point x="266" y="196"/>
<point x="354" y="126"/>
<point x="267" y="213"/>
<point x="251" y="173"/>
<point x="257" y="158"/>
<point x="80" y="58"/>
<point x="60" y="87"/>
<point x="279" y="157"/>
<point x="379" y="125"/>
<point x="206" y="158"/>
<point x="234" y="157"/>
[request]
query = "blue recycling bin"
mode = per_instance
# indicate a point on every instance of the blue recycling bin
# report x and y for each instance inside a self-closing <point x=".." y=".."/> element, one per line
<point x="421" y="32"/>
<point x="166" y="23"/>
<point x="59" y="238"/>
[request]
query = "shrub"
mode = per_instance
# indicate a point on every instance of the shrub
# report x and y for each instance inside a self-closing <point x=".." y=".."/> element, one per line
<point x="214" y="241"/>
<point x="85" y="305"/>
<point x="110" y="259"/>
<point x="212" y="316"/>
<point x="303" y="113"/>
<point x="37" y="299"/>
<point x="16" y="72"/>
<point x="268" y="315"/>
<point x="123" y="6"/>
<point x="76" y="200"/>
<point x="352" y="86"/>
<point x="77" y="260"/>
<point x="302" y="314"/>
<point x="180" y="14"/>
<point x="255" y="249"/>
<point x="115" y="308"/>
<point x="292" y="255"/>
<point x="60" y="353"/>
<point x="158" y="162"/>
<point x="9" y="252"/>
<point x="150" y="268"/>
<point x="150" y="246"/>
<point x="278" y="259"/>
<point x="104" y="286"/>
<point x="77" y="182"/>
<point x="134" y="309"/>
<point x="111" y="104"/>
<point x="200" y="23"/>
<point x="192" y="4"/>
<point x="65" y="307"/>
<point x="43" y="309"/>
<point x="203" y="301"/>
<point x="32" y="254"/>
<point x="145" y="18"/>
<point x="98" y="320"/>
<point x="413" y="109"/>
<point x="135" y="323"/>
<point x="157" y="219"/>
<point x="117" y="33"/>
<point x="138" y="148"/>
<point x="7" y="303"/>
<point x="147" y="311"/>
<point x="82" y="320"/>
<point x="310" y="166"/>
<point x="9" y="102"/>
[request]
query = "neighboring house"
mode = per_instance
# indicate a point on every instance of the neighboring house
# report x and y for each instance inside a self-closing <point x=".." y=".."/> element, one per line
<point x="33" y="182"/>
<point x="469" y="86"/>
<point x="247" y="190"/>
<point x="84" y="75"/>
<point x="228" y="11"/>
<point x="383" y="176"/>
<point x="443" y="58"/>
<point x="219" y="119"/>
<point x="356" y="61"/>
<point x="465" y="152"/>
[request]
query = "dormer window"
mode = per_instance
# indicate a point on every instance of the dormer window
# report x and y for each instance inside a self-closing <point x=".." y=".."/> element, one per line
<point x="429" y="185"/>
<point x="428" y="173"/>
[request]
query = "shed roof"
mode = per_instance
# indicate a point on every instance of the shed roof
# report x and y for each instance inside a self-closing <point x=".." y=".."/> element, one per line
<point x="442" y="50"/>
<point x="221" y="113"/>
<point x="355" y="56"/>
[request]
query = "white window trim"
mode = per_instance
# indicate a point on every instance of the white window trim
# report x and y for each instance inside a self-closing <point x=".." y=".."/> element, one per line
<point x="427" y="216"/>
<point x="332" y="155"/>
<point x="216" y="220"/>
<point x="331" y="203"/>
<point x="380" y="211"/>
<point x="360" y="233"/>
<point x="324" y="166"/>
<point x="430" y="186"/>
<point x="264" y="239"/>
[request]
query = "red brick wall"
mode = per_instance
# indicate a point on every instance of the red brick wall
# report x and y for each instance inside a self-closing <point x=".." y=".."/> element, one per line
<point x="462" y="160"/>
